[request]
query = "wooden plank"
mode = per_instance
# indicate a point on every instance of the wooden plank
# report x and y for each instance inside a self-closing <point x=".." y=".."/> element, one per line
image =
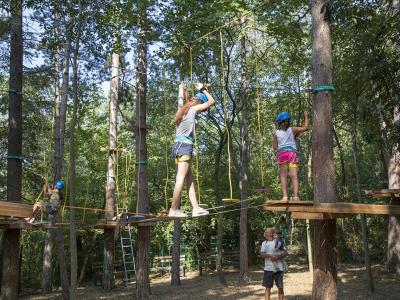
<point x="288" y="202"/>
<point x="307" y="215"/>
<point x="15" y="209"/>
<point x="340" y="208"/>
<point x="382" y="193"/>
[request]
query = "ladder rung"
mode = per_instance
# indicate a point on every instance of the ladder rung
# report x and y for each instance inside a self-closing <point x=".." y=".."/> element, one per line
<point x="130" y="270"/>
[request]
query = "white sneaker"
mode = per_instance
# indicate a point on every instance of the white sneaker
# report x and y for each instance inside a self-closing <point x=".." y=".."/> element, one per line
<point x="200" y="212"/>
<point x="177" y="213"/>
<point x="285" y="198"/>
<point x="295" y="198"/>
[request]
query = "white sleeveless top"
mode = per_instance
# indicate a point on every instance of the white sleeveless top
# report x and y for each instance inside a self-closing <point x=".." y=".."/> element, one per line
<point x="286" y="140"/>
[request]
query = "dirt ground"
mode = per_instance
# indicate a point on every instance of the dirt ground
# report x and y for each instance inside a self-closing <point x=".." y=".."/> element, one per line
<point x="297" y="281"/>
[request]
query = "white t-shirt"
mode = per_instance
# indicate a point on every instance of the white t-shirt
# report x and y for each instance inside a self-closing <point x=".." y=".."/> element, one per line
<point x="286" y="140"/>
<point x="268" y="247"/>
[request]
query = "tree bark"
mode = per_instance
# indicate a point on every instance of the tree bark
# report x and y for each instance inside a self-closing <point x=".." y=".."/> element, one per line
<point x="11" y="237"/>
<point x="108" y="262"/>
<point x="49" y="239"/>
<point x="324" y="232"/>
<point x="176" y="252"/>
<point x="72" y="202"/>
<point x="364" y="229"/>
<point x="142" y="274"/>
<point x="393" y="254"/>
<point x="63" y="115"/>
<point x="220" y="217"/>
<point x="244" y="162"/>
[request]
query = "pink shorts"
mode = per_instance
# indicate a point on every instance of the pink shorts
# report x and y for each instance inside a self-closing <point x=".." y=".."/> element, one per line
<point x="287" y="157"/>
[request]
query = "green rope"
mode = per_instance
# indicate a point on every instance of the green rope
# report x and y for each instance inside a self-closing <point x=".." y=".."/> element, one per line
<point x="323" y="88"/>
<point x="141" y="162"/>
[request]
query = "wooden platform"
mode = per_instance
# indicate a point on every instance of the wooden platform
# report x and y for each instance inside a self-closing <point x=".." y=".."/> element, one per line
<point x="323" y="211"/>
<point x="15" y="210"/>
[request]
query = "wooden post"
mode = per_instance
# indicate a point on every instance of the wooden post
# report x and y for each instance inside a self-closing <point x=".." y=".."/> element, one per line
<point x="11" y="237"/>
<point x="324" y="231"/>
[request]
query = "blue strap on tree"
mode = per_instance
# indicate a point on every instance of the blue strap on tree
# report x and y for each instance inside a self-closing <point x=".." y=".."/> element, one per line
<point x="141" y="162"/>
<point x="16" y="157"/>
<point x="323" y="88"/>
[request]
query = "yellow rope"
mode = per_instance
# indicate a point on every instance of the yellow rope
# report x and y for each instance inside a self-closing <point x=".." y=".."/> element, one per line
<point x="165" y="139"/>
<point x="260" y="133"/>
<point x="195" y="136"/>
<point x="225" y="101"/>
<point x="116" y="173"/>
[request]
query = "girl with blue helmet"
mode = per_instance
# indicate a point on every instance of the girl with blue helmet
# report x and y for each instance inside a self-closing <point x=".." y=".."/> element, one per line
<point x="182" y="149"/>
<point x="284" y="141"/>
<point x="56" y="195"/>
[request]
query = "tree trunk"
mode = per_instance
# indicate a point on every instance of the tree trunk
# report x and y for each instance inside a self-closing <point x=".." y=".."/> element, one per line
<point x="142" y="274"/>
<point x="11" y="237"/>
<point x="393" y="254"/>
<point x="49" y="239"/>
<point x="72" y="202"/>
<point x="244" y="163"/>
<point x="63" y="115"/>
<point x="220" y="217"/>
<point x="364" y="229"/>
<point x="108" y="262"/>
<point x="176" y="252"/>
<point x="324" y="232"/>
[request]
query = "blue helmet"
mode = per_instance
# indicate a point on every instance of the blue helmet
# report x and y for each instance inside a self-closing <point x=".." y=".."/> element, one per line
<point x="202" y="97"/>
<point x="60" y="185"/>
<point x="283" y="116"/>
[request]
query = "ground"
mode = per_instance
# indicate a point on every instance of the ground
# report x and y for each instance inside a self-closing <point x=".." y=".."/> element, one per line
<point x="298" y="284"/>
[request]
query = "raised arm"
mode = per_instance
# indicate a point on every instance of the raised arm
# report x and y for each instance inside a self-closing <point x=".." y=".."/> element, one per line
<point x="204" y="106"/>
<point x="303" y="127"/>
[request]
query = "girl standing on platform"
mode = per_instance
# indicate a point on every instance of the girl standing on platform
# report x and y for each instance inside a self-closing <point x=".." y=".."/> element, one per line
<point x="284" y="141"/>
<point x="182" y="149"/>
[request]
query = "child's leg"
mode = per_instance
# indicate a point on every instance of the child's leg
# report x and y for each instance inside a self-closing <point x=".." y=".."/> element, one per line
<point x="295" y="181"/>
<point x="283" y="174"/>
<point x="191" y="189"/>
<point x="182" y="169"/>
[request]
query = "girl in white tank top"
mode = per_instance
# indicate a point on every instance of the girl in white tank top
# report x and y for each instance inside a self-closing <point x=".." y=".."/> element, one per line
<point x="284" y="141"/>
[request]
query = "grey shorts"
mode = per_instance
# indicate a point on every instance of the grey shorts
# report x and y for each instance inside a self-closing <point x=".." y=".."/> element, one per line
<point x="270" y="277"/>
<point x="181" y="149"/>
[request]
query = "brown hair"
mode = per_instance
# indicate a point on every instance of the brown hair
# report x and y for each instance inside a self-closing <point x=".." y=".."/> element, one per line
<point x="184" y="109"/>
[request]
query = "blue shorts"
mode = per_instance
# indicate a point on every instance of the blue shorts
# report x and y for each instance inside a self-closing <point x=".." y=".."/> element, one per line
<point x="181" y="151"/>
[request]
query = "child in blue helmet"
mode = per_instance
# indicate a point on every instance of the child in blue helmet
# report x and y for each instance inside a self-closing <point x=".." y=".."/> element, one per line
<point x="182" y="150"/>
<point x="56" y="195"/>
<point x="284" y="141"/>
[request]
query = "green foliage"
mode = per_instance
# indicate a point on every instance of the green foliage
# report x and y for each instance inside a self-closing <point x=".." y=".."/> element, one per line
<point x="365" y="41"/>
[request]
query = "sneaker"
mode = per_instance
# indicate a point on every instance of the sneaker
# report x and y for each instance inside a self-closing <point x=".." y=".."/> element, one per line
<point x="295" y="198"/>
<point x="200" y="212"/>
<point x="285" y="198"/>
<point x="177" y="213"/>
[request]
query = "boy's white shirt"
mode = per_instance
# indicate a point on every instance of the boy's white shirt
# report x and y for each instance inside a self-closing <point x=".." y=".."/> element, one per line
<point x="268" y="247"/>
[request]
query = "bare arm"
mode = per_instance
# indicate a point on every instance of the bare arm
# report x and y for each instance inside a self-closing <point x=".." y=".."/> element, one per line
<point x="274" y="142"/>
<point x="186" y="95"/>
<point x="204" y="106"/>
<point x="46" y="189"/>
<point x="303" y="127"/>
